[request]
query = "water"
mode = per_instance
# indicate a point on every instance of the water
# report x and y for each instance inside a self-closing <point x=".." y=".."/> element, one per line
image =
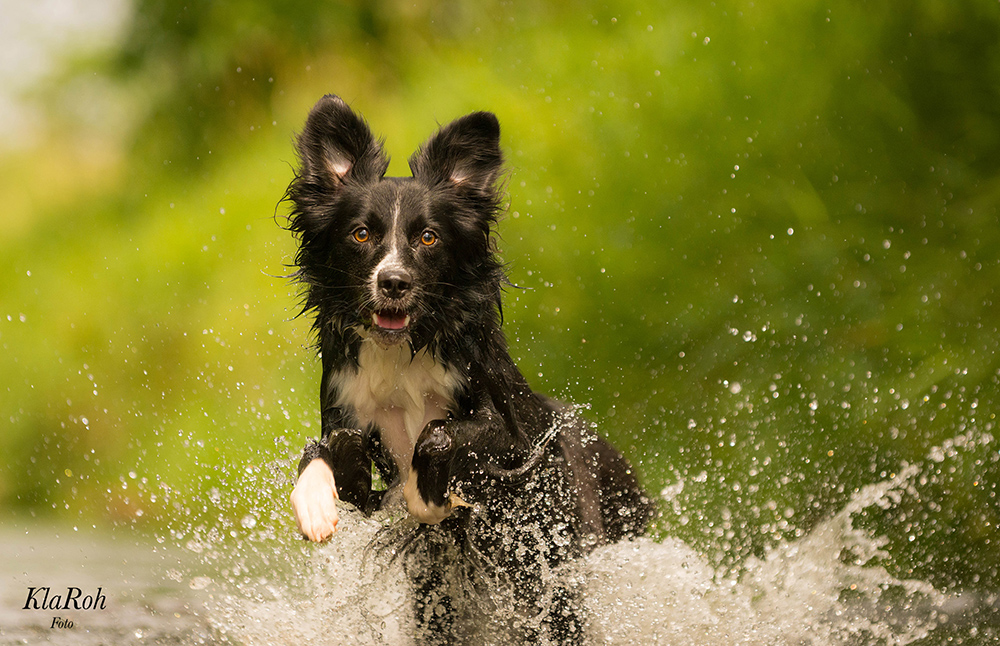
<point x="828" y="587"/>
<point x="199" y="585"/>
<point x="665" y="593"/>
<point x="148" y="601"/>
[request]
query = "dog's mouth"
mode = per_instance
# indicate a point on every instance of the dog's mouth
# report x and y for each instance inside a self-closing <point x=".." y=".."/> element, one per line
<point x="391" y="320"/>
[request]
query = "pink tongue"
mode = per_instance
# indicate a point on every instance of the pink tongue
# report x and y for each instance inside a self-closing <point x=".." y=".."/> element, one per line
<point x="390" y="321"/>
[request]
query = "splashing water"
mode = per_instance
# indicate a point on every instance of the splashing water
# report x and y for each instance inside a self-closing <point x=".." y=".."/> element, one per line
<point x="647" y="592"/>
<point x="337" y="598"/>
<point x="828" y="587"/>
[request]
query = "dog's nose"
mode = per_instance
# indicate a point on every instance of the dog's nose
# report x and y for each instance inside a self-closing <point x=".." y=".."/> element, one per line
<point x="394" y="282"/>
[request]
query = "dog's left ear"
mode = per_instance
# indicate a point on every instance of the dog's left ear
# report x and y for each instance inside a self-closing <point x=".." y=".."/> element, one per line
<point x="463" y="154"/>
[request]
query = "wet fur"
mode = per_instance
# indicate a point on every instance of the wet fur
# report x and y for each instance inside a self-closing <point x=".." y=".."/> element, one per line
<point x="438" y="407"/>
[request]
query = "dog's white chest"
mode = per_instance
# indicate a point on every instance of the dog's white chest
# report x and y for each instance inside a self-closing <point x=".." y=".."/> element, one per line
<point x="397" y="391"/>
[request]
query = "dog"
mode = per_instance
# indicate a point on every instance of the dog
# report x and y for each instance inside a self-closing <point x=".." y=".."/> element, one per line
<point x="403" y="281"/>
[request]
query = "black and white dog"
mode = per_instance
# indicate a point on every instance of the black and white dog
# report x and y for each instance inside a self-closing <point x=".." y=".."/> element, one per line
<point x="402" y="277"/>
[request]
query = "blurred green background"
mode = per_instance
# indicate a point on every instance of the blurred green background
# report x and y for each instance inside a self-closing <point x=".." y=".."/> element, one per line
<point x="759" y="240"/>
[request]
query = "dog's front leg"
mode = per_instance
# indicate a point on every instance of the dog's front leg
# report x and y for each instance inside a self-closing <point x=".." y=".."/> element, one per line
<point x="315" y="494"/>
<point x="426" y="488"/>
<point x="443" y="452"/>
<point x="314" y="501"/>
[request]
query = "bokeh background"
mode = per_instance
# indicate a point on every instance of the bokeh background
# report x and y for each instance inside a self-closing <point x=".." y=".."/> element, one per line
<point x="759" y="240"/>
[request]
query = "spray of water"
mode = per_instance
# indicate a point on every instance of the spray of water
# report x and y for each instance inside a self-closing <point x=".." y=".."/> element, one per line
<point x="825" y="588"/>
<point x="828" y="587"/>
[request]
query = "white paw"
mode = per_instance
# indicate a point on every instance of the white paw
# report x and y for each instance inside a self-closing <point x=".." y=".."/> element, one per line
<point x="314" y="500"/>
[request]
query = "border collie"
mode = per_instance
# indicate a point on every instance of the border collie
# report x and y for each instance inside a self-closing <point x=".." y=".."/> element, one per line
<point x="402" y="278"/>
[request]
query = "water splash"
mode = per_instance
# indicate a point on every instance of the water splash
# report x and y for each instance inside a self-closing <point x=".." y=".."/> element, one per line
<point x="821" y="589"/>
<point x="338" y="597"/>
<point x="829" y="587"/>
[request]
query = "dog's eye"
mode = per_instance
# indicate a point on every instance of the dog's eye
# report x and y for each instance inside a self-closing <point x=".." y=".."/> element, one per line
<point x="362" y="235"/>
<point x="428" y="238"/>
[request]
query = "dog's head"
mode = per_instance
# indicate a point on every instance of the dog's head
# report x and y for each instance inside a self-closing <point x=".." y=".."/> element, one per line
<point x="397" y="259"/>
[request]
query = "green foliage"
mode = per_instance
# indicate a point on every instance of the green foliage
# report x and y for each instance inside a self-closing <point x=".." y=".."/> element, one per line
<point x="761" y="241"/>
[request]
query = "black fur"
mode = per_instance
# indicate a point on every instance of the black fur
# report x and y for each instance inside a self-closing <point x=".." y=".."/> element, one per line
<point x="543" y="487"/>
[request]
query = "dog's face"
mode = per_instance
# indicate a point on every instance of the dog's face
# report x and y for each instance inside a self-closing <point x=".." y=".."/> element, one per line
<point x="390" y="247"/>
<point x="396" y="259"/>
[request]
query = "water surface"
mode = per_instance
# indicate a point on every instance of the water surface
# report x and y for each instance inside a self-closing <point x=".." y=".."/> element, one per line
<point x="837" y="583"/>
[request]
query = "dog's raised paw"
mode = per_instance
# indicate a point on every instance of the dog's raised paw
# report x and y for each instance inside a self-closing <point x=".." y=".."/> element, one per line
<point x="314" y="500"/>
<point x="426" y="488"/>
<point x="423" y="510"/>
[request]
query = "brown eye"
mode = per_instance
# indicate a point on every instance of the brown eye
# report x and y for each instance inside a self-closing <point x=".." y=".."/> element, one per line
<point x="362" y="235"/>
<point x="428" y="238"/>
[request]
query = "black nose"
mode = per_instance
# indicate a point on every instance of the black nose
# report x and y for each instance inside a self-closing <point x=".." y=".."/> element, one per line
<point x="394" y="282"/>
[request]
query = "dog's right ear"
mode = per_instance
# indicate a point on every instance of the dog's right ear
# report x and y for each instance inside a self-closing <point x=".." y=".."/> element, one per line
<point x="336" y="147"/>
